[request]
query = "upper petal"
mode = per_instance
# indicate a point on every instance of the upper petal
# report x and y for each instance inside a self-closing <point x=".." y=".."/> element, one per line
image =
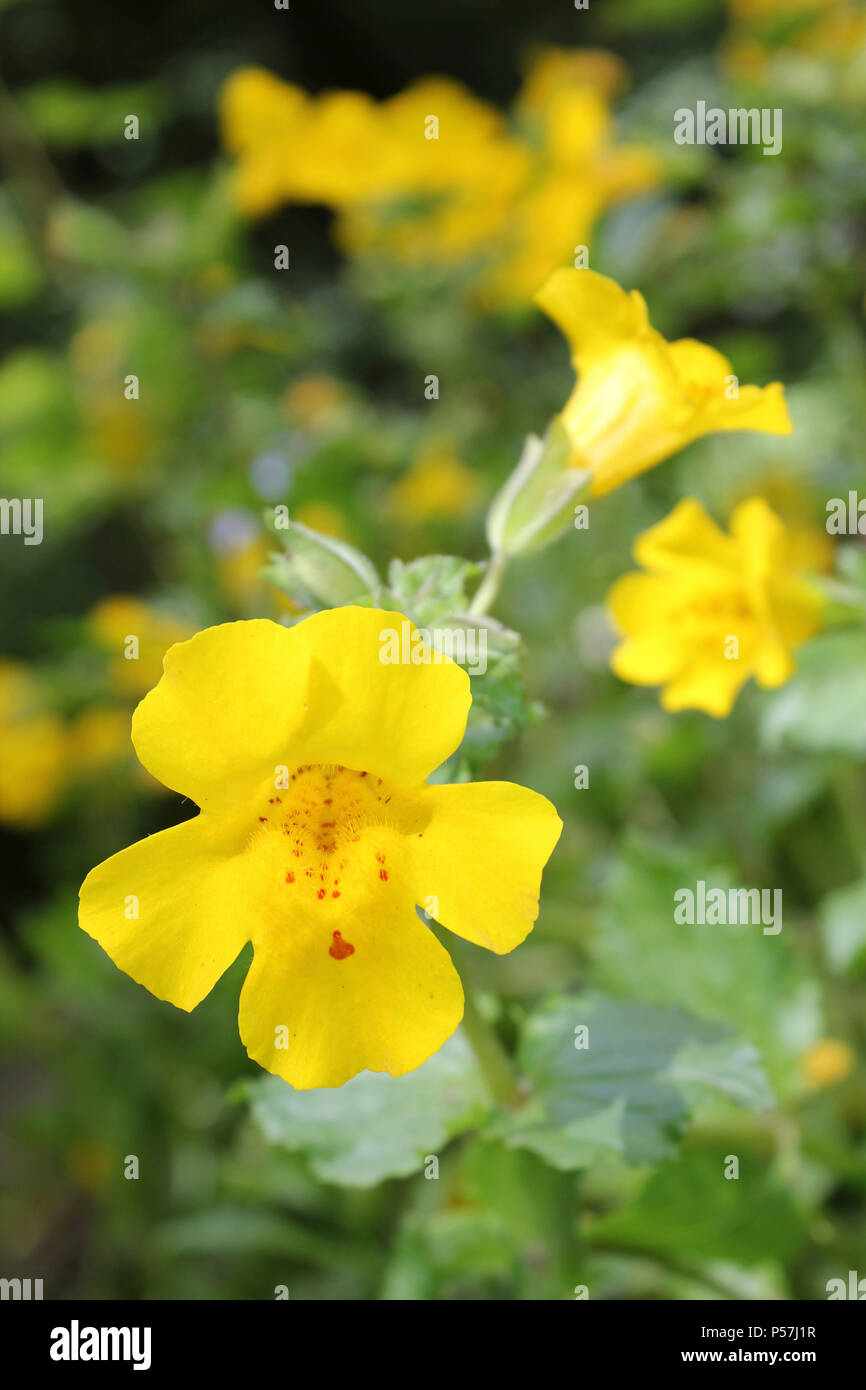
<point x="593" y="311"/>
<point x="227" y="706"/>
<point x="480" y="860"/>
<point x="380" y="699"/>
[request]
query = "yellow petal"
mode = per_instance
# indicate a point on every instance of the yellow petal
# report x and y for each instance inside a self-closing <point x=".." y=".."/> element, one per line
<point x="171" y="911"/>
<point x="400" y="719"/>
<point x="686" y="537"/>
<point x="708" y="684"/>
<point x="225" y="711"/>
<point x="593" y="311"/>
<point x="371" y="990"/>
<point x="477" y="866"/>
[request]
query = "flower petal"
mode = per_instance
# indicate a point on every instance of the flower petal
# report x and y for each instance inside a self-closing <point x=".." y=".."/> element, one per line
<point x="186" y="887"/>
<point x="400" y="719"/>
<point x="321" y="1004"/>
<point x="226" y="709"/>
<point x="480" y="859"/>
<point x="687" y="538"/>
<point x="593" y="311"/>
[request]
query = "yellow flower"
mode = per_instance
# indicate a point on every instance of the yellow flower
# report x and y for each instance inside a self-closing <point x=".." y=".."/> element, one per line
<point x="98" y="737"/>
<point x="138" y="636"/>
<point x="638" y="398"/>
<point x="32" y="751"/>
<point x="312" y="400"/>
<point x="437" y="485"/>
<point x="828" y="1061"/>
<point x="317" y="837"/>
<point x="713" y="609"/>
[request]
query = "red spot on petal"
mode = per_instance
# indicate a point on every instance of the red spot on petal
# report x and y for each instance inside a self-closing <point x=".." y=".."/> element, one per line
<point x="335" y="894"/>
<point x="383" y="874"/>
<point x="339" y="948"/>
<point x="290" y="878"/>
<point x="262" y="818"/>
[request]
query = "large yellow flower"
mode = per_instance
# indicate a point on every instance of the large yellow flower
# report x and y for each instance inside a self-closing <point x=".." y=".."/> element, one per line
<point x="638" y="398"/>
<point x="712" y="609"/>
<point x="317" y="837"/>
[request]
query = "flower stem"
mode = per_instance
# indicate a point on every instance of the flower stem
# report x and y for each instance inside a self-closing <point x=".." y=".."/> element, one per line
<point x="489" y="586"/>
<point x="496" y="1065"/>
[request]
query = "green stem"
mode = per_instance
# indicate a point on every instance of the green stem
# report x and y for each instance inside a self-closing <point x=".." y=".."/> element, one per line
<point x="496" y="1065"/>
<point x="489" y="586"/>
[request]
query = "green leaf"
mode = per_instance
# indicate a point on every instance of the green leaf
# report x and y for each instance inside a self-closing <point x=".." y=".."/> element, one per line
<point x="842" y="917"/>
<point x="631" y="1091"/>
<point x="329" y="569"/>
<point x="691" y="1208"/>
<point x="726" y="973"/>
<point x="376" y="1126"/>
<point x="823" y="708"/>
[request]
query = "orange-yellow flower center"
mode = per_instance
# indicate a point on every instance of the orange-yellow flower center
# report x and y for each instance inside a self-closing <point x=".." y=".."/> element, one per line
<point x="331" y="834"/>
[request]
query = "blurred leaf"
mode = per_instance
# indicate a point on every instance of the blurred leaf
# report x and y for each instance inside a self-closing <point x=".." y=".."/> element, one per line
<point x="726" y="973"/>
<point x="690" y="1208"/>
<point x="376" y="1126"/>
<point x="842" y="917"/>
<point x="631" y="1091"/>
<point x="823" y="708"/>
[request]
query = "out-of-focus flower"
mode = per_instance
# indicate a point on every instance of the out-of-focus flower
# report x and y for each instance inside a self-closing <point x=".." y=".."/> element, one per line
<point x="438" y="486"/>
<point x="136" y="635"/>
<point x="712" y="609"/>
<point x="435" y="176"/>
<point x="318" y="835"/>
<point x="241" y="553"/>
<point x="781" y="40"/>
<point x="312" y="400"/>
<point x="638" y="399"/>
<point x="827" y="1062"/>
<point x="323" y="517"/>
<point x="98" y="738"/>
<point x="33" y="751"/>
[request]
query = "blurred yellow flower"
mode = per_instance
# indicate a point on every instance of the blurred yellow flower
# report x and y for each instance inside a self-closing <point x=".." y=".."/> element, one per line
<point x="437" y="486"/>
<point x="317" y="837"/>
<point x="712" y="609"/>
<point x="827" y="1062"/>
<point x="311" y="400"/>
<point x="323" y="517"/>
<point x="638" y="399"/>
<point x="137" y="636"/>
<point x="33" y="751"/>
<point x="97" y="738"/>
<point x="436" y="176"/>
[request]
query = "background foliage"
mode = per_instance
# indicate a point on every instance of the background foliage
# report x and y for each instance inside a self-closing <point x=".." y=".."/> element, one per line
<point x="257" y="387"/>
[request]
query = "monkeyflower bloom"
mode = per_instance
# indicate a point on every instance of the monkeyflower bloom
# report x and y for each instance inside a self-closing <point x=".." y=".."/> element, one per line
<point x="638" y="399"/>
<point x="308" y="753"/>
<point x="712" y="609"/>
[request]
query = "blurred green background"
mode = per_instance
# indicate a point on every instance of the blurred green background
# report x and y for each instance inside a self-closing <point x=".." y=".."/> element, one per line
<point x="307" y="387"/>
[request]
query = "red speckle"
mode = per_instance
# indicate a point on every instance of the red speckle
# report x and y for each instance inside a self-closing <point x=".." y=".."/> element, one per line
<point x="290" y="878"/>
<point x="336" y="894"/>
<point x="262" y="818"/>
<point x="363" y="774"/>
<point x="339" y="948"/>
<point x="321" y="893"/>
<point x="383" y="874"/>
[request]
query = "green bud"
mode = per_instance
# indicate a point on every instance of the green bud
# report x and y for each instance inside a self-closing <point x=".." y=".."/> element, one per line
<point x="328" y="571"/>
<point x="536" y="504"/>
